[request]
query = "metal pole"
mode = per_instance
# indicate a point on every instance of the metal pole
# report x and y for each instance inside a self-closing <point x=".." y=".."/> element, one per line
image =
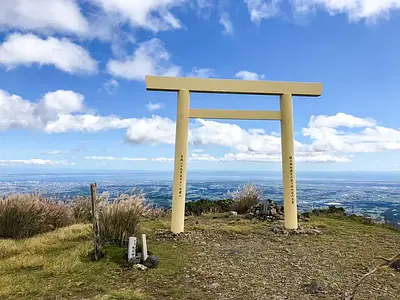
<point x="181" y="150"/>
<point x="288" y="162"/>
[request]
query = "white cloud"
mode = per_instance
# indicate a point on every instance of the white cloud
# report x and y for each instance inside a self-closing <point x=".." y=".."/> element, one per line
<point x="16" y="112"/>
<point x="193" y="157"/>
<point x="111" y="86"/>
<point x="156" y="130"/>
<point x="201" y="72"/>
<point x="198" y="150"/>
<point x="372" y="138"/>
<point x="309" y="158"/>
<point x="34" y="161"/>
<point x="150" y="58"/>
<point x="163" y="159"/>
<point x="43" y="16"/>
<point x="153" y="15"/>
<point x="54" y="152"/>
<point x="355" y="9"/>
<point x="225" y="21"/>
<point x="340" y="120"/>
<point x="27" y="49"/>
<point x="246" y="75"/>
<point x="333" y="138"/>
<point x="116" y="158"/>
<point x="154" y="106"/>
<point x="262" y="9"/>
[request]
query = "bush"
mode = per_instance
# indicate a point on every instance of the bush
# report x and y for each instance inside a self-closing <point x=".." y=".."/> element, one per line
<point x="245" y="198"/>
<point x="23" y="216"/>
<point x="196" y="208"/>
<point x="120" y="219"/>
<point x="330" y="211"/>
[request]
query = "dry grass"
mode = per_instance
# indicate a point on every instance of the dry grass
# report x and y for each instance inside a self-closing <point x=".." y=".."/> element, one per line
<point x="120" y="219"/>
<point x="244" y="198"/>
<point x="23" y="216"/>
<point x="223" y="258"/>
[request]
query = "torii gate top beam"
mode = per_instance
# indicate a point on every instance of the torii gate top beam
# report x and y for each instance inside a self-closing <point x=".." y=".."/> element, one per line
<point x="232" y="86"/>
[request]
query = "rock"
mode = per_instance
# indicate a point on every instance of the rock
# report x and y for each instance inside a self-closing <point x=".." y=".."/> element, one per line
<point x="396" y="265"/>
<point x="313" y="288"/>
<point x="234" y="252"/>
<point x="233" y="213"/>
<point x="203" y="243"/>
<point x="151" y="261"/>
<point x="214" y="285"/>
<point x="274" y="212"/>
<point x="135" y="260"/>
<point x="140" y="267"/>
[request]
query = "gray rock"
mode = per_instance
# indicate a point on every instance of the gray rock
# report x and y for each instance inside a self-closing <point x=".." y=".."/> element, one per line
<point x="313" y="287"/>
<point x="214" y="285"/>
<point x="233" y="213"/>
<point x="234" y="252"/>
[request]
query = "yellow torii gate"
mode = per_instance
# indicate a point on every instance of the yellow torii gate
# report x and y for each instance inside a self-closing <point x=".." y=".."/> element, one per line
<point x="228" y="86"/>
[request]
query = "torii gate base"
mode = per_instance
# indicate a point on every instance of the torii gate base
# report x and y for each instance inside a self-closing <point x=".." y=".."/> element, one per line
<point x="186" y="85"/>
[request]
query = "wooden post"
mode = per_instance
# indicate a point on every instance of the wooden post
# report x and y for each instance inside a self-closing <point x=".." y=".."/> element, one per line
<point x="96" y="225"/>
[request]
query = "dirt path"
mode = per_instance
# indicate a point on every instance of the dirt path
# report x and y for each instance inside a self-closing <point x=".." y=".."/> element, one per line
<point x="230" y="261"/>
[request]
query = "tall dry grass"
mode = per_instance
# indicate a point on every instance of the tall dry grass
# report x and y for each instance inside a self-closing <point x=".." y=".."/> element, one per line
<point x="120" y="219"/>
<point x="23" y="216"/>
<point x="244" y="198"/>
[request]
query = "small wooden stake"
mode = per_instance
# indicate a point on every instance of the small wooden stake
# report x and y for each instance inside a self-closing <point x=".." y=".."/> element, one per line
<point x="96" y="225"/>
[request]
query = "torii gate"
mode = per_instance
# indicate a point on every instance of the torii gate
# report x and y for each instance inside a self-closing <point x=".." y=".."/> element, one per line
<point x="200" y="85"/>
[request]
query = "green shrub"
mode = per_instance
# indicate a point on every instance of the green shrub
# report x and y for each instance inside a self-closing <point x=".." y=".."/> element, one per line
<point x="120" y="219"/>
<point x="203" y="206"/>
<point x="23" y="216"/>
<point x="244" y="198"/>
<point x="330" y="211"/>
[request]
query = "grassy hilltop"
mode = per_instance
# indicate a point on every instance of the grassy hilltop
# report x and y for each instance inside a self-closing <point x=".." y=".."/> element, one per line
<point x="217" y="258"/>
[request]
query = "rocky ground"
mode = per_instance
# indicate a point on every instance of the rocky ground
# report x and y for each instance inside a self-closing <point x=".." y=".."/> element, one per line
<point x="323" y="260"/>
<point x="218" y="257"/>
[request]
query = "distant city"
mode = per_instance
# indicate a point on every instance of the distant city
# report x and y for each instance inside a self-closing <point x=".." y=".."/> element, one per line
<point x="372" y="194"/>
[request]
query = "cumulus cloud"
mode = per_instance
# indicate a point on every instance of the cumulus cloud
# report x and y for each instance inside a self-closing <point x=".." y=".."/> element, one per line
<point x="340" y="120"/>
<point x="262" y="9"/>
<point x="34" y="161"/>
<point x="226" y="22"/>
<point x="150" y="58"/>
<point x="44" y="16"/>
<point x="333" y="138"/>
<point x="355" y="9"/>
<point x="154" y="106"/>
<point x="156" y="130"/>
<point x="154" y="15"/>
<point x="27" y="49"/>
<point x="247" y="75"/>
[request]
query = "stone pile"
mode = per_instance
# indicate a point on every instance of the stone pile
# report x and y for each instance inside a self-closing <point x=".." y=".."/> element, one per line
<point x="267" y="210"/>
<point x="306" y="230"/>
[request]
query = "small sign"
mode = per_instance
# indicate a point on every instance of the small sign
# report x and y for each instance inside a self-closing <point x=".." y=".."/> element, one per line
<point x="132" y="247"/>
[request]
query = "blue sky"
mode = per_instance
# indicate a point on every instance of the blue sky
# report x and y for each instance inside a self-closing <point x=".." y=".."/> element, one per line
<point x="72" y="91"/>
